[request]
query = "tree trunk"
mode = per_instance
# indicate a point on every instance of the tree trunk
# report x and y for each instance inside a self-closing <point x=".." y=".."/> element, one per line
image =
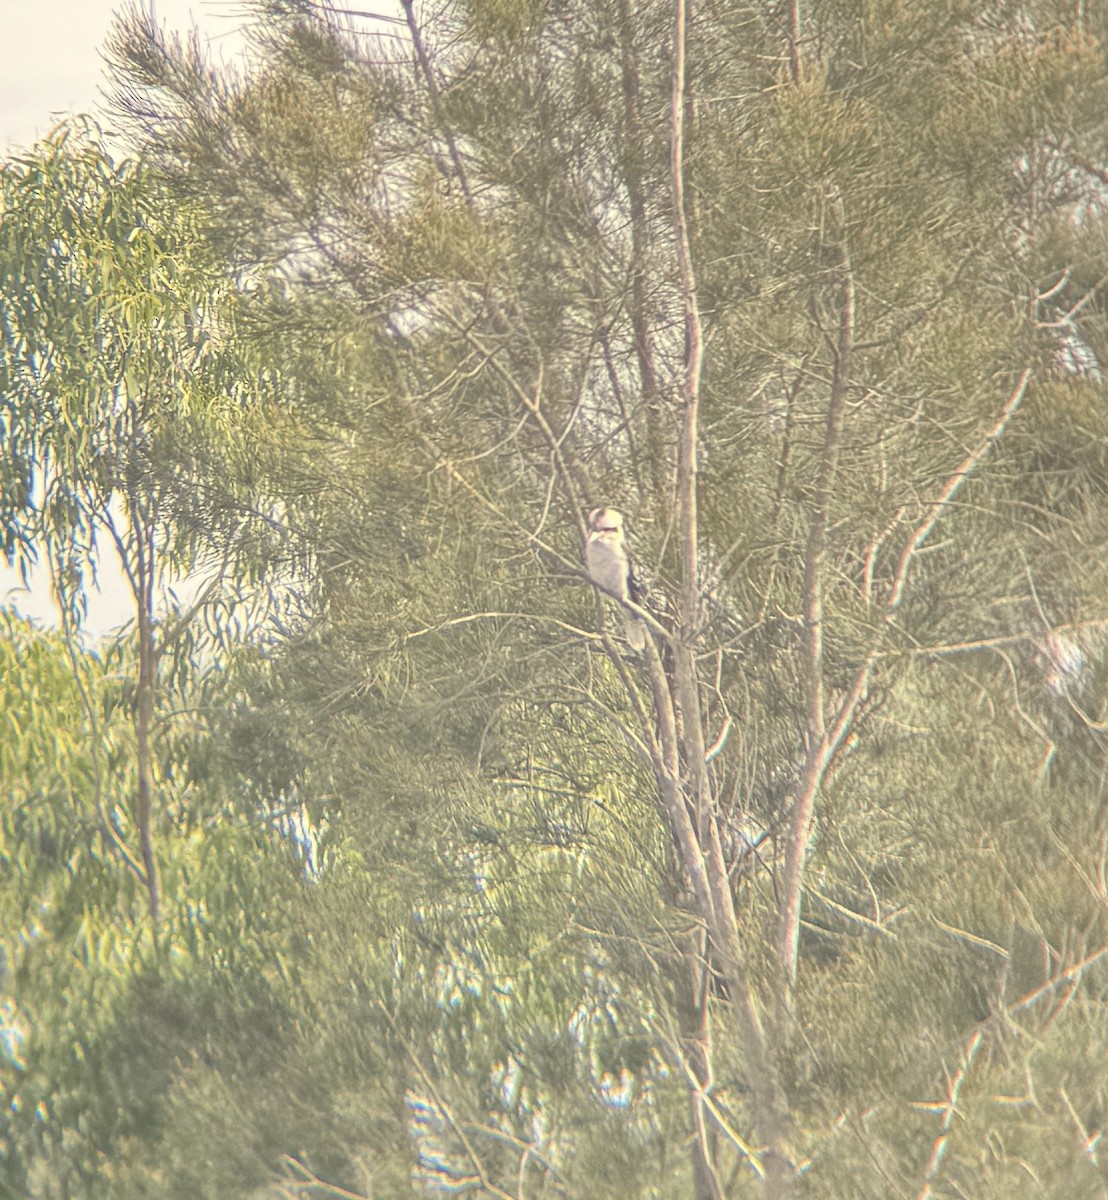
<point x="696" y="1053"/>
<point x="143" y="586"/>
<point x="704" y="861"/>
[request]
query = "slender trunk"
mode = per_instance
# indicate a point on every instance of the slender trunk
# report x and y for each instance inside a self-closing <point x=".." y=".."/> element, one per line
<point x="428" y="73"/>
<point x="704" y="859"/>
<point x="793" y="39"/>
<point x="696" y="1050"/>
<point x="817" y="748"/>
<point x="641" y="328"/>
<point x="143" y="582"/>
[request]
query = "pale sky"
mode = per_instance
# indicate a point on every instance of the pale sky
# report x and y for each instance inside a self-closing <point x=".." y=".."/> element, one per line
<point x="50" y="54"/>
<point x="50" y="65"/>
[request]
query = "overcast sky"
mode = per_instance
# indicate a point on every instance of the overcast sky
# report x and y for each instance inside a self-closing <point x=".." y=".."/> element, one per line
<point x="50" y="59"/>
<point x="50" y="65"/>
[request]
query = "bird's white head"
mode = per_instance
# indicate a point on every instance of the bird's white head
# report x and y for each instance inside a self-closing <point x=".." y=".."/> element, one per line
<point x="606" y="520"/>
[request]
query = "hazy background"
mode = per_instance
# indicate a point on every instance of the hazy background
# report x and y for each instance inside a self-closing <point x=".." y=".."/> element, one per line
<point x="50" y="61"/>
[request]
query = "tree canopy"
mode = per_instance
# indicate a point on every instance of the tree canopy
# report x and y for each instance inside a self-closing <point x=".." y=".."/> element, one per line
<point x="460" y="891"/>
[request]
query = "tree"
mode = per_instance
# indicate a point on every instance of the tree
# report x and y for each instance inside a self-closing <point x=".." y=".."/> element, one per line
<point x="126" y="387"/>
<point x="129" y="385"/>
<point x="99" y="1012"/>
<point x="817" y="296"/>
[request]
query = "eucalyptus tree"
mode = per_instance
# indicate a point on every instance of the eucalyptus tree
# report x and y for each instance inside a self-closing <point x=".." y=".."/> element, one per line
<point x="815" y="294"/>
<point x="140" y="873"/>
<point x="64" y="900"/>
<point x="126" y="386"/>
<point x="99" y="1010"/>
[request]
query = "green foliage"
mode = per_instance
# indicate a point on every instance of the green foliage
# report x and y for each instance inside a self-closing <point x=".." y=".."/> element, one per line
<point x="123" y="370"/>
<point x="489" y="974"/>
<point x="106" y="1020"/>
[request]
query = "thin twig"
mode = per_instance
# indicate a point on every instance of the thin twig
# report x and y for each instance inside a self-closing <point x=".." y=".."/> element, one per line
<point x="313" y="1181"/>
<point x="949" y="1109"/>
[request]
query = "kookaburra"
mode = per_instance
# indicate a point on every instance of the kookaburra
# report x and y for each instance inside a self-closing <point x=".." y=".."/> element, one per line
<point x="607" y="561"/>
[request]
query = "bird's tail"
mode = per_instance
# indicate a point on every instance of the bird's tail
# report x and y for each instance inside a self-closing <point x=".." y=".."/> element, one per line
<point x="634" y="631"/>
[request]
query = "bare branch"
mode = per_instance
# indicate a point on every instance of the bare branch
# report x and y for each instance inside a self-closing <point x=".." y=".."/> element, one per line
<point x="948" y="1108"/>
<point x="705" y="1099"/>
<point x="424" y="60"/>
<point x="1087" y="1141"/>
<point x="951" y="488"/>
<point x="310" y="1182"/>
<point x="817" y="762"/>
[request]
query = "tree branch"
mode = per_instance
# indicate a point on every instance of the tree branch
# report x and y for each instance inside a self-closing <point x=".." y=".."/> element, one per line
<point x="816" y="765"/>
<point x="949" y="1109"/>
<point x="424" y="60"/>
<point x="951" y="488"/>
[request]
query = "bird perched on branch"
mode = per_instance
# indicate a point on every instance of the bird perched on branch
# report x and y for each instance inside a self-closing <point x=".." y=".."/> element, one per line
<point x="608" y="563"/>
